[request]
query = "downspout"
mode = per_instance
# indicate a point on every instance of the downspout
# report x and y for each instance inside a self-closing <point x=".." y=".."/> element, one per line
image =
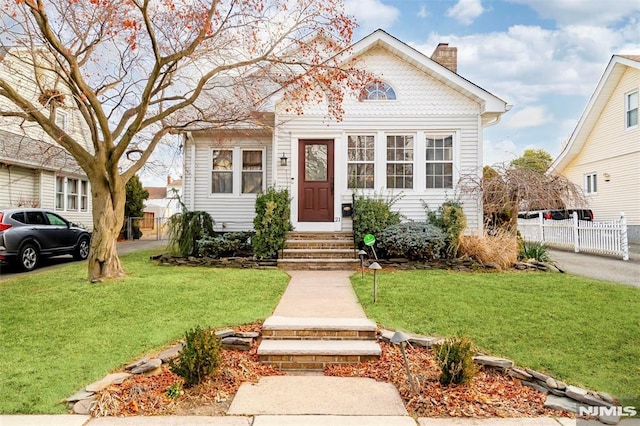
<point x="192" y="175"/>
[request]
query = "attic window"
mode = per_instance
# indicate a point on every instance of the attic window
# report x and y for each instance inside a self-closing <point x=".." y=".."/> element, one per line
<point x="377" y="91"/>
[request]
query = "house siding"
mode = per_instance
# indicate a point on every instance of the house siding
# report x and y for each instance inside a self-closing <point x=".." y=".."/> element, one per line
<point x="423" y="106"/>
<point x="614" y="150"/>
<point x="231" y="212"/>
<point x="18" y="187"/>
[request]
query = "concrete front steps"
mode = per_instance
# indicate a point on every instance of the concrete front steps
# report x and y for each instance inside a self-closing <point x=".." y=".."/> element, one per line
<point x="313" y="343"/>
<point x="319" y="251"/>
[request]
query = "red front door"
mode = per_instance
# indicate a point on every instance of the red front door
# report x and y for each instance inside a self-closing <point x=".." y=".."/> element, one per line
<point x="315" y="177"/>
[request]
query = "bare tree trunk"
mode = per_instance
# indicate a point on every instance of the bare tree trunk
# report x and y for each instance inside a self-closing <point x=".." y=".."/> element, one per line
<point x="108" y="217"/>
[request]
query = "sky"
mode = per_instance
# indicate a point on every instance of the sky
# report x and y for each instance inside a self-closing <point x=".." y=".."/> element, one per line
<point x="543" y="57"/>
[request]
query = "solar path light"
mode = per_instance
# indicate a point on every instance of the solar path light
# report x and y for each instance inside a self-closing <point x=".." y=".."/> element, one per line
<point x="375" y="266"/>
<point x="362" y="254"/>
<point x="400" y="338"/>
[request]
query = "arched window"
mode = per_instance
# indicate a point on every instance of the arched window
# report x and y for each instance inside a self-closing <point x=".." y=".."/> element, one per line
<point x="377" y="91"/>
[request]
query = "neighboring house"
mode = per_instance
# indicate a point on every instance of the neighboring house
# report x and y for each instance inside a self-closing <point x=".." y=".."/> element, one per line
<point x="603" y="153"/>
<point x="34" y="170"/>
<point x="414" y="133"/>
<point x="163" y="201"/>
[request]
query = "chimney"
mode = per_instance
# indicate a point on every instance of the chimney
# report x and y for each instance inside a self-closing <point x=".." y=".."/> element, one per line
<point x="446" y="56"/>
<point x="168" y="180"/>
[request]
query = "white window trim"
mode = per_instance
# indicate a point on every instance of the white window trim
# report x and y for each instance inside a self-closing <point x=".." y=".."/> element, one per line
<point x="236" y="170"/>
<point x="65" y="194"/>
<point x="455" y="134"/>
<point x="65" y="117"/>
<point x="627" y="110"/>
<point x="593" y="176"/>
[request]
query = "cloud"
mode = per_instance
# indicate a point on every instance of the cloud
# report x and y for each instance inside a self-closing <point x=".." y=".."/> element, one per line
<point x="423" y="12"/>
<point x="465" y="11"/>
<point x="585" y="12"/>
<point x="532" y="116"/>
<point x="372" y="14"/>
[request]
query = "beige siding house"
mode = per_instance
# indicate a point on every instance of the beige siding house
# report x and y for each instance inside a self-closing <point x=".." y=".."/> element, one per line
<point x="413" y="134"/>
<point x="603" y="153"/>
<point x="34" y="170"/>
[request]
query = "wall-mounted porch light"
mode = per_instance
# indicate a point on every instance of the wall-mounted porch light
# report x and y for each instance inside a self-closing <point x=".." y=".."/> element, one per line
<point x="283" y="160"/>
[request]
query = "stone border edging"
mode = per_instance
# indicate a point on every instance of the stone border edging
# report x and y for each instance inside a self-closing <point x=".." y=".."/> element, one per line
<point x="560" y="396"/>
<point x="83" y="401"/>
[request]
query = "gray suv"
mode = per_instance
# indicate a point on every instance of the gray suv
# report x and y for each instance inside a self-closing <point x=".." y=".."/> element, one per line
<point x="27" y="235"/>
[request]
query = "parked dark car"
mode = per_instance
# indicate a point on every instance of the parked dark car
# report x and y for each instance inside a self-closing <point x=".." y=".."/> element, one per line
<point x="28" y="235"/>
<point x="558" y="214"/>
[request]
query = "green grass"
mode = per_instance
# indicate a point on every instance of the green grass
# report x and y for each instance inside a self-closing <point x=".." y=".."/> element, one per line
<point x="581" y="331"/>
<point x="59" y="333"/>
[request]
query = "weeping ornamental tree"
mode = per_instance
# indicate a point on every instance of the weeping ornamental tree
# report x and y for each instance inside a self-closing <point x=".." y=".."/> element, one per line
<point x="140" y="70"/>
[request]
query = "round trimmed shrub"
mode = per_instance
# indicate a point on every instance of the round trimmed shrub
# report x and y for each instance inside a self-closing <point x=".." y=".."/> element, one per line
<point x="413" y="240"/>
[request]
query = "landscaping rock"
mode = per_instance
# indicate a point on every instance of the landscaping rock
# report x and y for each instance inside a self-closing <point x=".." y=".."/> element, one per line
<point x="561" y="403"/>
<point x="551" y="383"/>
<point x="540" y="376"/>
<point x="237" y="343"/>
<point x="83" y="394"/>
<point x="153" y="372"/>
<point x="493" y="361"/>
<point x="561" y="385"/>
<point x="247" y="334"/>
<point x="150" y="365"/>
<point x="106" y="381"/>
<point x="137" y="363"/>
<point x="535" y="386"/>
<point x="225" y="333"/>
<point x="557" y="392"/>
<point x="84" y="406"/>
<point x="609" y="420"/>
<point x="576" y="392"/>
<point x="386" y="335"/>
<point x="606" y="397"/>
<point x="519" y="374"/>
<point x="424" y="341"/>
<point x="170" y="353"/>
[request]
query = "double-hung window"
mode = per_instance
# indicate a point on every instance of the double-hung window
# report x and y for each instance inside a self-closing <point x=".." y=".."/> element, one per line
<point x="252" y="171"/>
<point x="439" y="164"/>
<point x="399" y="162"/>
<point x="361" y="161"/>
<point x="222" y="172"/>
<point x="631" y="109"/>
<point x="72" y="194"/>
<point x="590" y="184"/>
<point x="237" y="171"/>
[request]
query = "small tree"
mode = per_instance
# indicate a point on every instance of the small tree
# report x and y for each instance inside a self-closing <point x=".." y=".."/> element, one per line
<point x="271" y="223"/>
<point x="533" y="159"/>
<point x="134" y="204"/>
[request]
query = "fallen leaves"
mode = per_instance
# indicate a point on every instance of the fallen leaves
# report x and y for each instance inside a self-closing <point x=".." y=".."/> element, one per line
<point x="491" y="394"/>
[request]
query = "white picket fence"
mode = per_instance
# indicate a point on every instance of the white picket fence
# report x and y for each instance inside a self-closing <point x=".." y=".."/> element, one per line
<point x="603" y="237"/>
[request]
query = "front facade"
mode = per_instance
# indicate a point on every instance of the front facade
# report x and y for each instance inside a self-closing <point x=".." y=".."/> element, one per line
<point x="34" y="170"/>
<point x="410" y="135"/>
<point x="603" y="153"/>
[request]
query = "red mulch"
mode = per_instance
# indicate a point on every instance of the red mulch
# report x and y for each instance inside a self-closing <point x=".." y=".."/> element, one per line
<point x="491" y="394"/>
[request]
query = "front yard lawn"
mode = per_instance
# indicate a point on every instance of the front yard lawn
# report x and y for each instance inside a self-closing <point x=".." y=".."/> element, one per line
<point x="58" y="332"/>
<point x="582" y="331"/>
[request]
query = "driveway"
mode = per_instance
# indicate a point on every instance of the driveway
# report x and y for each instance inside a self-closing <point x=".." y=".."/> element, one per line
<point x="600" y="267"/>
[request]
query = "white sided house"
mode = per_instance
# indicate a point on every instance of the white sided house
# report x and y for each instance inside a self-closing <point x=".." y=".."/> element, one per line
<point x="34" y="170"/>
<point x="603" y="153"/>
<point x="413" y="133"/>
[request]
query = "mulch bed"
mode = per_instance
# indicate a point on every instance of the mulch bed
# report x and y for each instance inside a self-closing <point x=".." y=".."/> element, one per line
<point x="491" y="394"/>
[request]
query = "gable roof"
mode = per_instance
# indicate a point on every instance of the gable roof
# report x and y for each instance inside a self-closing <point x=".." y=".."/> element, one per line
<point x="490" y="103"/>
<point x="607" y="84"/>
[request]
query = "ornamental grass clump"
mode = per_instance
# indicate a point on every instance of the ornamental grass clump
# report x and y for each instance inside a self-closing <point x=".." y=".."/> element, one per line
<point x="455" y="359"/>
<point x="499" y="249"/>
<point x="199" y="357"/>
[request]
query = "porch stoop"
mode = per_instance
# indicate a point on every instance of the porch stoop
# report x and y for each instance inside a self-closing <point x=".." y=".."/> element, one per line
<point x="313" y="343"/>
<point x="319" y="251"/>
